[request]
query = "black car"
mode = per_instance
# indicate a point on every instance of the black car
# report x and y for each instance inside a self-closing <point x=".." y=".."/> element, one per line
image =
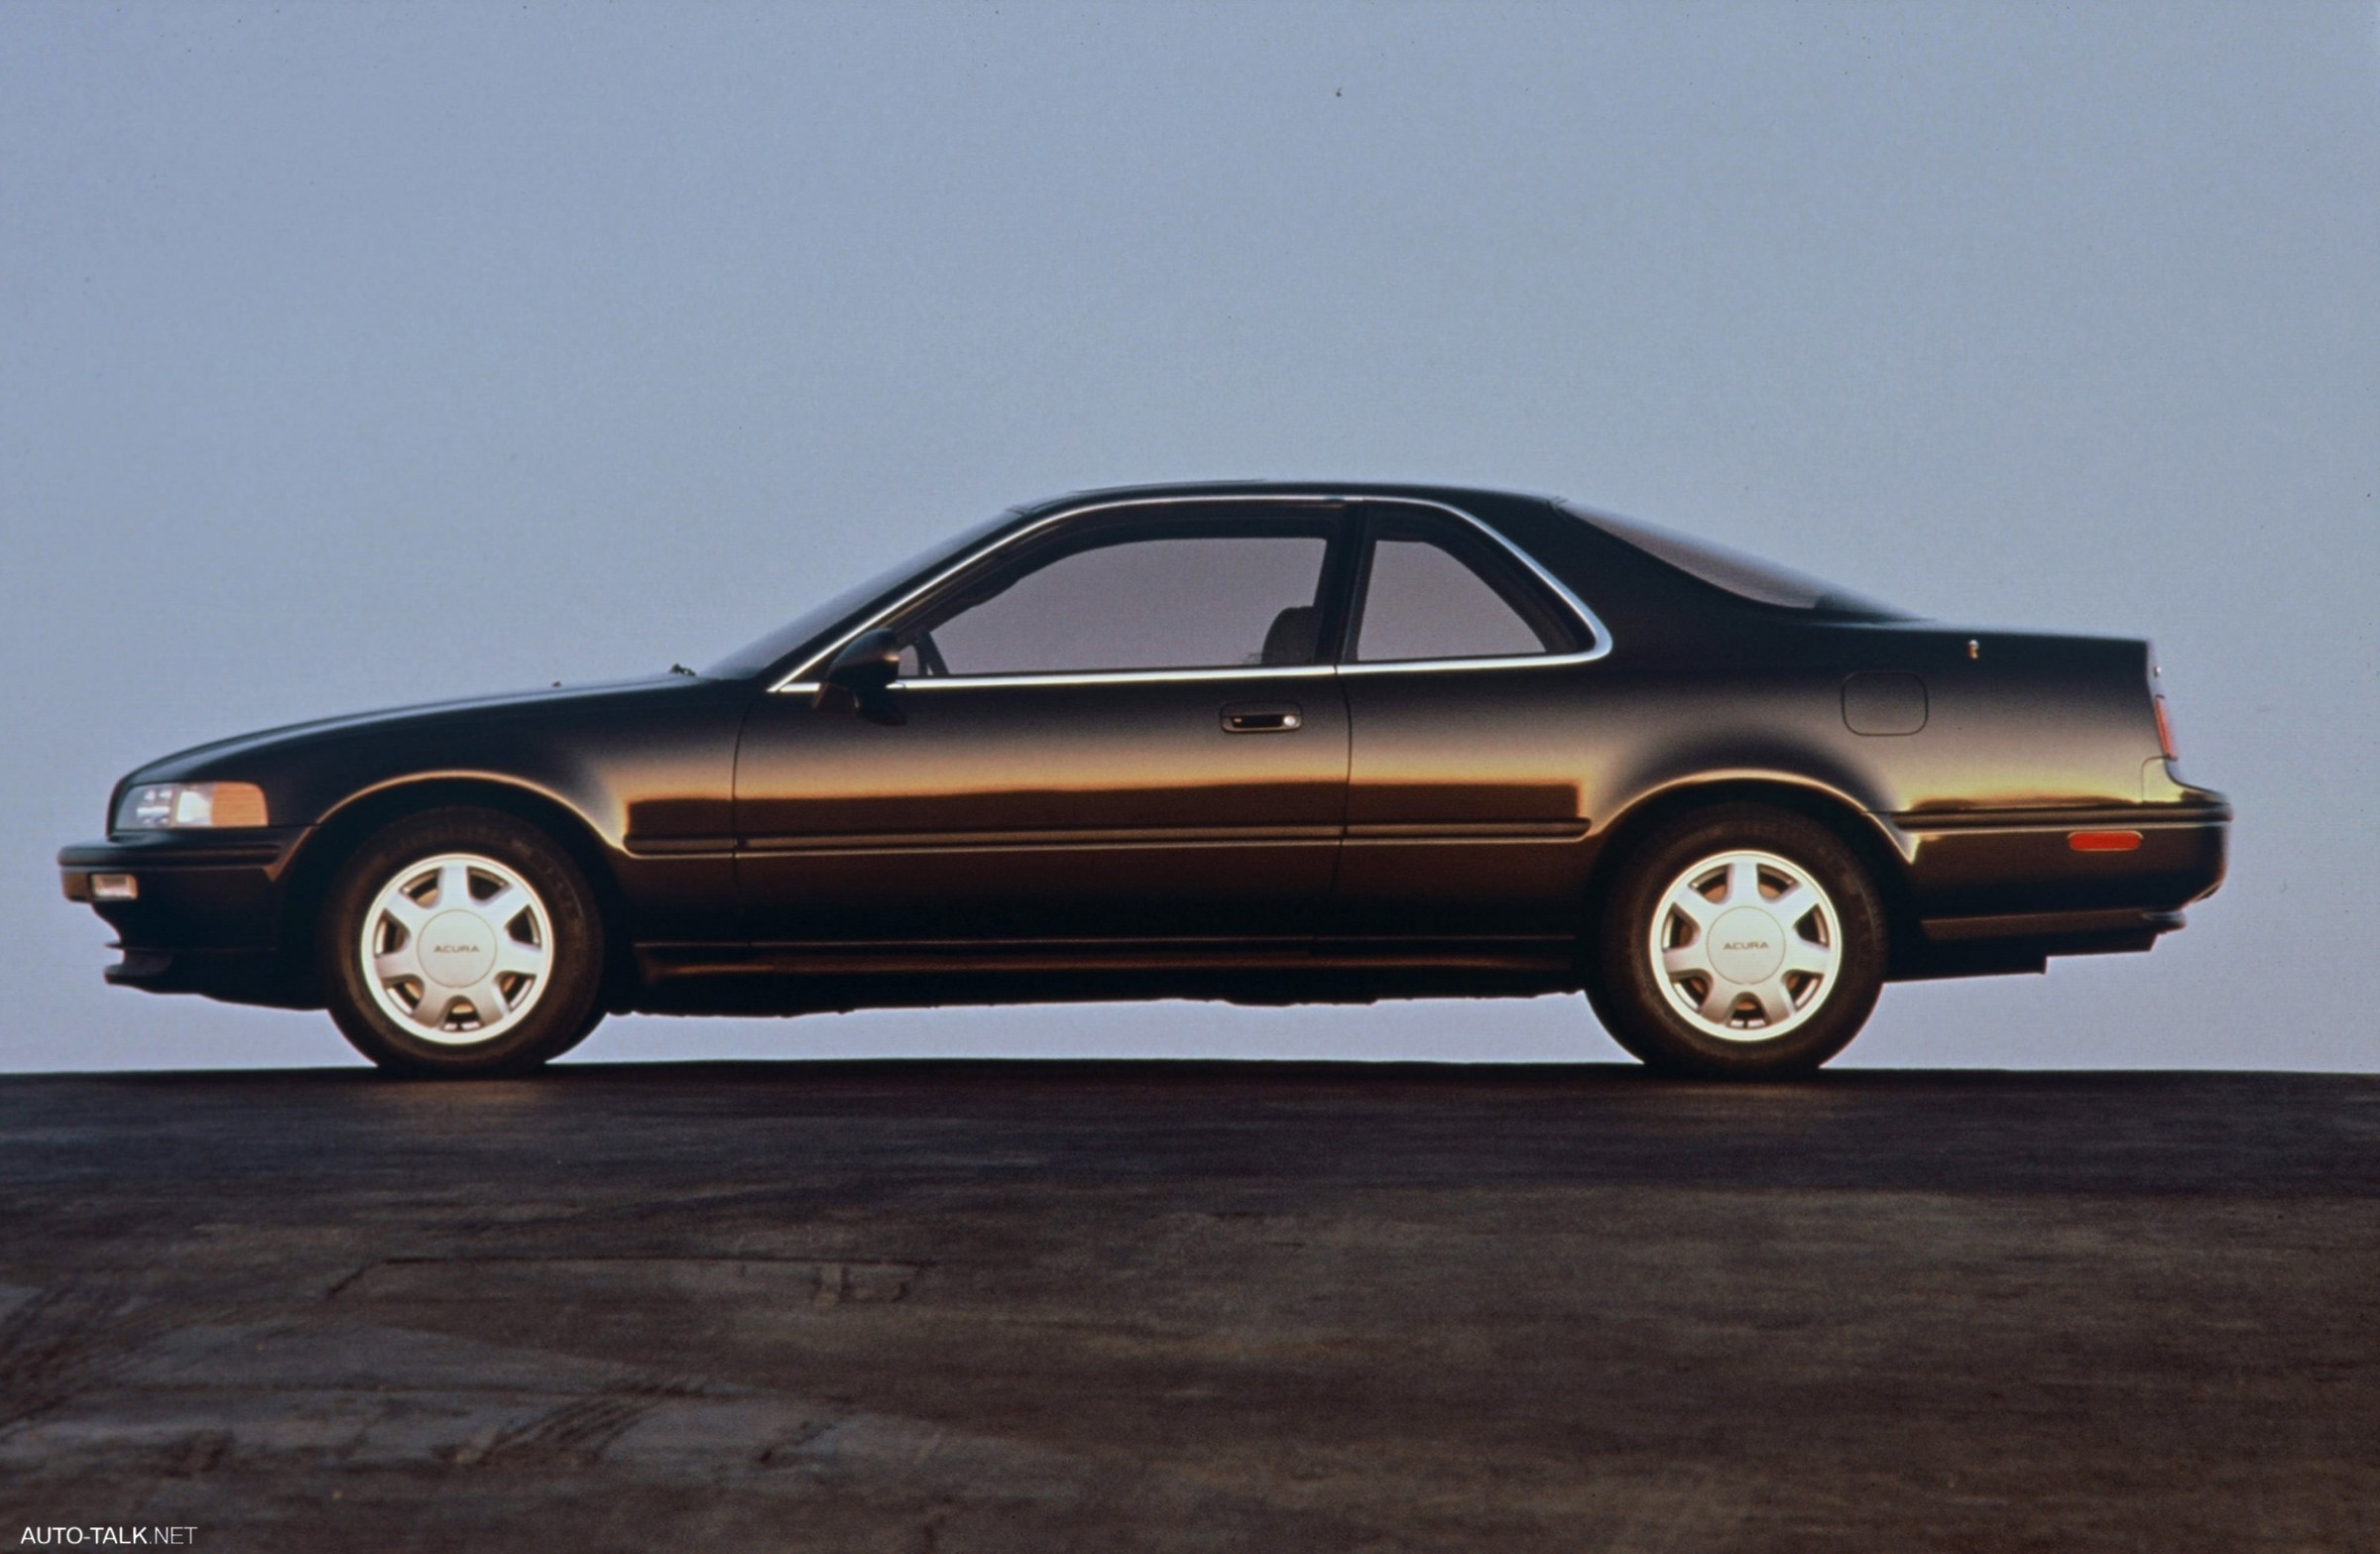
<point x="1251" y="741"/>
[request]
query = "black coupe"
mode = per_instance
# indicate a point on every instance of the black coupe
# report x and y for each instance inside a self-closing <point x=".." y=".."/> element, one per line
<point x="1253" y="741"/>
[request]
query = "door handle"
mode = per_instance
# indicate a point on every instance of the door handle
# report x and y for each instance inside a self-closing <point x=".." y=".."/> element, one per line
<point x="1272" y="717"/>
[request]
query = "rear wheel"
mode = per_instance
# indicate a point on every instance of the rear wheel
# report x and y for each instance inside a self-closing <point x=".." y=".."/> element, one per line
<point x="462" y="942"/>
<point x="1740" y="942"/>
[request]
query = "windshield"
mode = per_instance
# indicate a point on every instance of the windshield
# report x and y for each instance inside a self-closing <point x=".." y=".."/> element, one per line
<point x="817" y="621"/>
<point x="1745" y="576"/>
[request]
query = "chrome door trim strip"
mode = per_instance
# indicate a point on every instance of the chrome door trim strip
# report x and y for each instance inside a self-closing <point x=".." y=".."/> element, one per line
<point x="1600" y="637"/>
<point x="1468" y="831"/>
<point x="1087" y="838"/>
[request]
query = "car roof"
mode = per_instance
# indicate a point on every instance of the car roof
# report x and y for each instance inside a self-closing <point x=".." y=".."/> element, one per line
<point x="1193" y="489"/>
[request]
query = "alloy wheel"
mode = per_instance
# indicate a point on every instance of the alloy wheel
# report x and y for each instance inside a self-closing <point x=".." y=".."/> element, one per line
<point x="457" y="948"/>
<point x="1746" y="944"/>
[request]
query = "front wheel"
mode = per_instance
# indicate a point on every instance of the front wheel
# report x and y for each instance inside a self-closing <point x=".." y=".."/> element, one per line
<point x="462" y="942"/>
<point x="1740" y="942"/>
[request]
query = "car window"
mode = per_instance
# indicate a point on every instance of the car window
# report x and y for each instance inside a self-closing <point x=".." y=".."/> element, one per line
<point x="814" y="623"/>
<point x="1745" y="576"/>
<point x="1421" y="601"/>
<point x="1174" y="602"/>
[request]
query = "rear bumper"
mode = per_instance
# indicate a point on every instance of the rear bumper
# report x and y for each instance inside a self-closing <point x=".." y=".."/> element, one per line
<point x="2006" y="891"/>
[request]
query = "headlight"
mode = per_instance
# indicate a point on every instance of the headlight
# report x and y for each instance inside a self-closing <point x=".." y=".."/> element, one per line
<point x="174" y="806"/>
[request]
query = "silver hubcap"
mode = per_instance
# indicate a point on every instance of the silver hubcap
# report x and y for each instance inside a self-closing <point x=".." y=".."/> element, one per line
<point x="1747" y="945"/>
<point x="457" y="948"/>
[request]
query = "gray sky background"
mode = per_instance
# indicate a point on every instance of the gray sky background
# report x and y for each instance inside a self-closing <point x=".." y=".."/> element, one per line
<point x="355" y="355"/>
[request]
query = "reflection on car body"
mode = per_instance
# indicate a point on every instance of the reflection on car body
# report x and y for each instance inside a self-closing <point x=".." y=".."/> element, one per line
<point x="1253" y="741"/>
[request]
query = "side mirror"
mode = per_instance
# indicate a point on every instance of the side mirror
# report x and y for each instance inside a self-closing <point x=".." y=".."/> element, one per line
<point x="856" y="680"/>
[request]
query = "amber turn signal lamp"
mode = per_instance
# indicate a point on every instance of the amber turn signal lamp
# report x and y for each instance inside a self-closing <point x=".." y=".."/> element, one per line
<point x="239" y="805"/>
<point x="175" y="806"/>
<point x="2103" y="841"/>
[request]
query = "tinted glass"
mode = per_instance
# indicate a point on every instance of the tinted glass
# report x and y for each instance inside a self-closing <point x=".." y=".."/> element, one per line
<point x="1191" y="602"/>
<point x="816" y="622"/>
<point x="1422" y="602"/>
<point x="1746" y="576"/>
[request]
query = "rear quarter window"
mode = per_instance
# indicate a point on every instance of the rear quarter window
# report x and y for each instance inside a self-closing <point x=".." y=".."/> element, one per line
<point x="1731" y="571"/>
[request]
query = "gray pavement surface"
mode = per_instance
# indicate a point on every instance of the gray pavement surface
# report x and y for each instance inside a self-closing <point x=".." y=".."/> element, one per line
<point x="1115" y="1307"/>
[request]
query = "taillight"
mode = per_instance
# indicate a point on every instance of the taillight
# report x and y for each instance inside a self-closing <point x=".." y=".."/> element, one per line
<point x="2165" y="728"/>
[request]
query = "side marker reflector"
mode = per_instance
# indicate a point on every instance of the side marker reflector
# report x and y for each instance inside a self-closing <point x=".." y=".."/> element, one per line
<point x="2103" y="841"/>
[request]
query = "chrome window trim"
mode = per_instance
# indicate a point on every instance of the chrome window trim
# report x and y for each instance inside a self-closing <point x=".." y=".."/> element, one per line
<point x="1600" y="637"/>
<point x="1247" y="671"/>
<point x="1527" y="660"/>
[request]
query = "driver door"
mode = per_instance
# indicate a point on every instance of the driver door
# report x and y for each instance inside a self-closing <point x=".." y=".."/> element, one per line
<point x="1111" y="728"/>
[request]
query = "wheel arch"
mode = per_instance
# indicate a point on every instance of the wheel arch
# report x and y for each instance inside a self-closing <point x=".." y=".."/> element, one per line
<point x="1851" y="824"/>
<point x="332" y="841"/>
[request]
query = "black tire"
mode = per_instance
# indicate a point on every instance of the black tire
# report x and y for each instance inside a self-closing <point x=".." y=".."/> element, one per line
<point x="1636" y="1001"/>
<point x="557" y="1007"/>
<point x="587" y="1029"/>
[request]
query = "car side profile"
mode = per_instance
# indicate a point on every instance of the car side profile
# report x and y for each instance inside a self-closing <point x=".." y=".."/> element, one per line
<point x="1253" y="741"/>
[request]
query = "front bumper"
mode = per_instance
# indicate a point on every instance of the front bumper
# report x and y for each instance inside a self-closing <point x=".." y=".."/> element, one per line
<point x="210" y="916"/>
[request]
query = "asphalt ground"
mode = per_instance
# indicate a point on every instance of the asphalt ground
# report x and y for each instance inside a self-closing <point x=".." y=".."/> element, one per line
<point x="1115" y="1307"/>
